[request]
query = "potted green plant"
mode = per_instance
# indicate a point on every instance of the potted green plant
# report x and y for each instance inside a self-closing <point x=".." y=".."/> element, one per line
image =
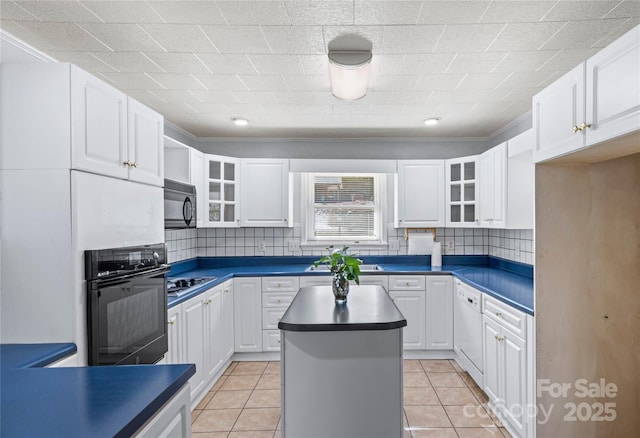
<point x="344" y="267"/>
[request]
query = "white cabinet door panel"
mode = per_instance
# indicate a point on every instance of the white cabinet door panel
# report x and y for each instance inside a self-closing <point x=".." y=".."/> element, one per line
<point x="412" y="306"/>
<point x="99" y="126"/>
<point x="420" y="194"/>
<point x="227" y="320"/>
<point x="439" y="312"/>
<point x="146" y="145"/>
<point x="194" y="345"/>
<point x="213" y="337"/>
<point x="247" y="313"/>
<point x="174" y="333"/>
<point x="613" y="93"/>
<point x="265" y="193"/>
<point x="556" y="110"/>
<point x="491" y="358"/>
<point x="515" y="380"/>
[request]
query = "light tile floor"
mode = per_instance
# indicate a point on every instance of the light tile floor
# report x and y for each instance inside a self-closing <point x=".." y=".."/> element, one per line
<point x="440" y="400"/>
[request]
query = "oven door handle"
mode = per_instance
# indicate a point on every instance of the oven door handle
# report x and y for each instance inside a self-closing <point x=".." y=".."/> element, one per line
<point x="119" y="279"/>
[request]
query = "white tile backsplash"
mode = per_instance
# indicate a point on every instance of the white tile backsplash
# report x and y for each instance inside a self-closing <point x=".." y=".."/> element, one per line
<point x="516" y="245"/>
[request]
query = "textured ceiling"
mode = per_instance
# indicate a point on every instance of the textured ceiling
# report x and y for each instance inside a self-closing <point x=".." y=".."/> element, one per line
<point x="475" y="64"/>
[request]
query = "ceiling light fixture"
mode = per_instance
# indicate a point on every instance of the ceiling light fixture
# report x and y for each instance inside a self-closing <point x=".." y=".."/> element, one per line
<point x="238" y="121"/>
<point x="349" y="73"/>
<point x="432" y="121"/>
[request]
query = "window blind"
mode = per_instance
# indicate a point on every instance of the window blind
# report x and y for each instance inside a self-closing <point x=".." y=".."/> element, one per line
<point x="344" y="206"/>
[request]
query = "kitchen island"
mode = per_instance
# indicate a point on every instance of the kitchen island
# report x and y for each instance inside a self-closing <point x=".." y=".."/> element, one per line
<point x="342" y="365"/>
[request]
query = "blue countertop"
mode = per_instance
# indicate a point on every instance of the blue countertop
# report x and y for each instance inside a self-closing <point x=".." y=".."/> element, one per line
<point x="507" y="281"/>
<point x="105" y="401"/>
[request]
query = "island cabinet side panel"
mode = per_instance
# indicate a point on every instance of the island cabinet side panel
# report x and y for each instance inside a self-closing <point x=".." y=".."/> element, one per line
<point x="342" y="383"/>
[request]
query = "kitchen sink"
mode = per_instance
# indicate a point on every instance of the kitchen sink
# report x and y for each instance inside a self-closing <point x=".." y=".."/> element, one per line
<point x="363" y="268"/>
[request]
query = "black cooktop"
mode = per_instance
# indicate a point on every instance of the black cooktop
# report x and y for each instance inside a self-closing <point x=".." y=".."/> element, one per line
<point x="181" y="286"/>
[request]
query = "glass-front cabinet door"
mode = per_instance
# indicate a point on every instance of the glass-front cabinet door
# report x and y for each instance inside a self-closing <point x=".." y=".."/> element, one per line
<point x="221" y="185"/>
<point x="462" y="192"/>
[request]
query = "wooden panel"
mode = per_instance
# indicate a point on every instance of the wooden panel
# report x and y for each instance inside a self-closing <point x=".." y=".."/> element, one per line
<point x="587" y="277"/>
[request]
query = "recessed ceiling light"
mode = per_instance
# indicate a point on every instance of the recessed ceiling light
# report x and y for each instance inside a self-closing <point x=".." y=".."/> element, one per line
<point x="432" y="121"/>
<point x="238" y="121"/>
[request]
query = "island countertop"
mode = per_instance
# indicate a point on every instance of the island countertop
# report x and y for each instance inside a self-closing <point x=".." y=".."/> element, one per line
<point x="368" y="307"/>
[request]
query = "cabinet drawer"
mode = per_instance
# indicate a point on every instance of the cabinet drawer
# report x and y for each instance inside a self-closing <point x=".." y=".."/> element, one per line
<point x="380" y="280"/>
<point x="277" y="299"/>
<point x="316" y="280"/>
<point x="271" y="340"/>
<point x="271" y="318"/>
<point x="277" y="284"/>
<point x="406" y="282"/>
<point x="507" y="316"/>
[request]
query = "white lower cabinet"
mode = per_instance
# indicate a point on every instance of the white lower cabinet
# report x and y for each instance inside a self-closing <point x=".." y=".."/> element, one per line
<point x="173" y="419"/>
<point x="69" y="361"/>
<point x="412" y="305"/>
<point x="228" y="341"/>
<point x="408" y="294"/>
<point x="213" y="337"/>
<point x="247" y="315"/>
<point x="201" y="332"/>
<point x="277" y="295"/>
<point x="505" y="373"/>
<point x="439" y="312"/>
<point x="175" y="328"/>
<point x="194" y="343"/>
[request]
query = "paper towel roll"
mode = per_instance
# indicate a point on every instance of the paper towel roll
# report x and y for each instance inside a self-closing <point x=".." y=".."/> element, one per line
<point x="420" y="243"/>
<point x="436" y="255"/>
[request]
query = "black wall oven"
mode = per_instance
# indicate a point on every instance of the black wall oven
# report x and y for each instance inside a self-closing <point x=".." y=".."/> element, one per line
<point x="127" y="305"/>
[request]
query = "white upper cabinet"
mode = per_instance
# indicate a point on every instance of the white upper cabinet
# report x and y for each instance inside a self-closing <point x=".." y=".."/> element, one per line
<point x="196" y="167"/>
<point x="221" y="191"/>
<point x="420" y="197"/>
<point x="177" y="165"/>
<point x="264" y="194"/>
<point x="99" y="117"/>
<point x="613" y="89"/>
<point x="462" y="191"/>
<point x="596" y="101"/>
<point x="556" y="111"/>
<point x="58" y="116"/>
<point x="493" y="187"/>
<point x="113" y="134"/>
<point x="146" y="145"/>
<point x="507" y="184"/>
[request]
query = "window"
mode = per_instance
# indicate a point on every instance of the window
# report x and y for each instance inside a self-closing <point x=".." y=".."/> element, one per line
<point x="343" y="208"/>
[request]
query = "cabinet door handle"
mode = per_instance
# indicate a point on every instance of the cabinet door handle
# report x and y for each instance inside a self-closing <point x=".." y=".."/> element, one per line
<point x="134" y="164"/>
<point x="128" y="163"/>
<point x="577" y="129"/>
<point x="170" y="322"/>
<point x="498" y="314"/>
<point x="585" y="125"/>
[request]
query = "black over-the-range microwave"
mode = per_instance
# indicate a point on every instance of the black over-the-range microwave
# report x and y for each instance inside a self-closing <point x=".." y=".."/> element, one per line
<point x="179" y="205"/>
